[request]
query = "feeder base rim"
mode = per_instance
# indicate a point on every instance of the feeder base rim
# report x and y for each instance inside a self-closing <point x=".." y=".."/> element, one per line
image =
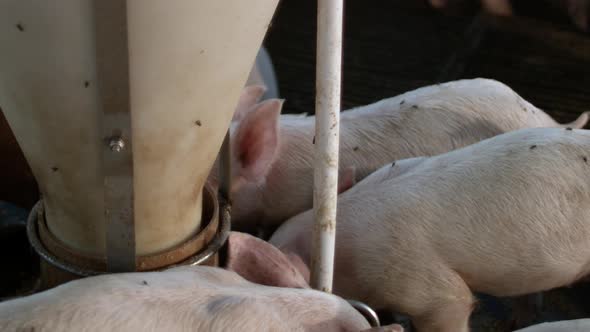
<point x="212" y="247"/>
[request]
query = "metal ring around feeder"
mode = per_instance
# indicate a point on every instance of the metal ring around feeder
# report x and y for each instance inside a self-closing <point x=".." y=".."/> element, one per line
<point x="216" y="243"/>
<point x="32" y="235"/>
<point x="369" y="314"/>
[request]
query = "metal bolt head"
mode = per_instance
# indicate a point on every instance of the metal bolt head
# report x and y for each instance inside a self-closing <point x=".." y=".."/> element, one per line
<point x="116" y="144"/>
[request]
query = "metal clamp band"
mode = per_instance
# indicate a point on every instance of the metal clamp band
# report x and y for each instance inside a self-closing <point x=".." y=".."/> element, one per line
<point x="203" y="255"/>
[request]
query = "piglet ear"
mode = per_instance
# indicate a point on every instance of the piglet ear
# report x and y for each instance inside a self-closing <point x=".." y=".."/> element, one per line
<point x="260" y="262"/>
<point x="250" y="96"/>
<point x="346" y="179"/>
<point x="256" y="140"/>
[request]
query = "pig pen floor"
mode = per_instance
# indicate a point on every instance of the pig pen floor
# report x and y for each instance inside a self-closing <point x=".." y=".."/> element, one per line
<point x="393" y="46"/>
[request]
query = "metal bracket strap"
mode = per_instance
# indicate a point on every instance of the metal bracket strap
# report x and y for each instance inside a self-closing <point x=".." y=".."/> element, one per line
<point x="113" y="83"/>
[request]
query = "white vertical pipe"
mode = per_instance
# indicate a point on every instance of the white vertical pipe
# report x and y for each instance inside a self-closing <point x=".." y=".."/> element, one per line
<point x="327" y="131"/>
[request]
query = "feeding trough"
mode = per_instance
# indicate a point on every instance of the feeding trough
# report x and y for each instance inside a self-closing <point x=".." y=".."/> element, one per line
<point x="120" y="108"/>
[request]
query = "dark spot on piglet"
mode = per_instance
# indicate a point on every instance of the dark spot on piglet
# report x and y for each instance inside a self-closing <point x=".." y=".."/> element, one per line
<point x="533" y="147"/>
<point x="143" y="282"/>
<point x="198" y="123"/>
<point x="393" y="164"/>
<point x="86" y="84"/>
<point x="585" y="159"/>
<point x="402" y="102"/>
<point x="313" y="141"/>
<point x="223" y="302"/>
<point x="20" y="27"/>
<point x="414" y="106"/>
<point x="55" y="169"/>
<point x="568" y="128"/>
<point x="356" y="148"/>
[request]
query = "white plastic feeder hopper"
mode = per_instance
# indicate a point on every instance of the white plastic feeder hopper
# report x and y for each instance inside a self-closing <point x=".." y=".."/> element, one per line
<point x="120" y="108"/>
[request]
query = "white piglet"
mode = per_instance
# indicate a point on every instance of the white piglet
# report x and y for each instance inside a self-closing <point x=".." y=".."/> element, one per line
<point x="506" y="216"/>
<point x="272" y="155"/>
<point x="181" y="299"/>
<point x="192" y="299"/>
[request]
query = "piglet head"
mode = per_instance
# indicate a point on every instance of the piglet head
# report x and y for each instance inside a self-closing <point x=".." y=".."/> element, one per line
<point x="260" y="262"/>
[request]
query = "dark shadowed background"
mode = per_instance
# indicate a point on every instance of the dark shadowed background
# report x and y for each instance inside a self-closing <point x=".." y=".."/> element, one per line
<point x="392" y="46"/>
